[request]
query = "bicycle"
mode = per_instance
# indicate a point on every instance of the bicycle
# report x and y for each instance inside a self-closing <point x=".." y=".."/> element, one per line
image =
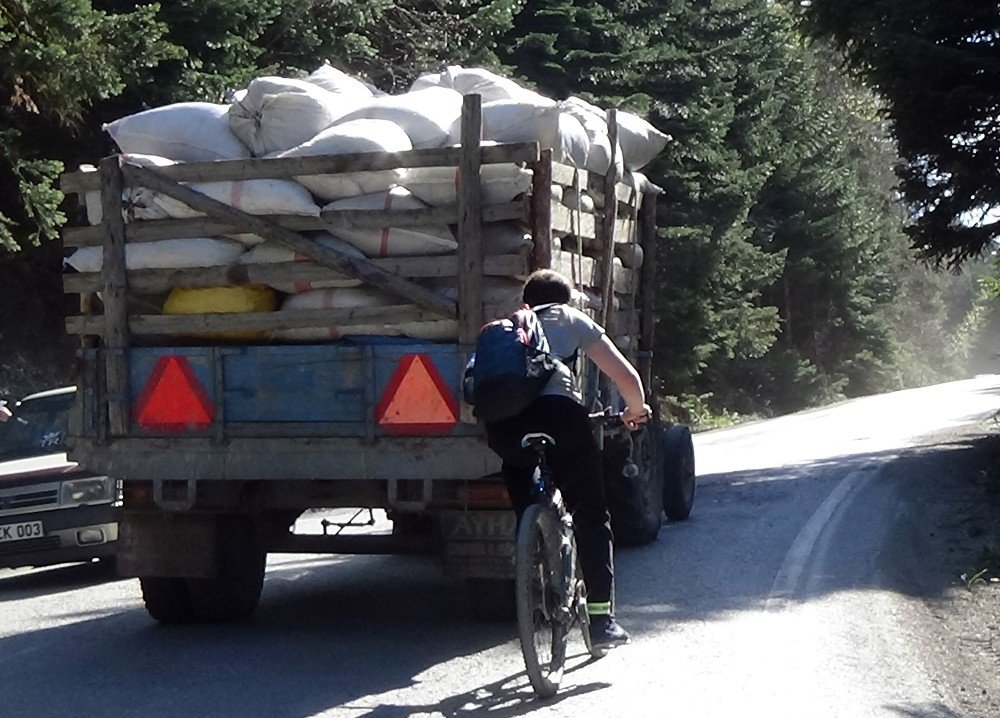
<point x="550" y="595"/>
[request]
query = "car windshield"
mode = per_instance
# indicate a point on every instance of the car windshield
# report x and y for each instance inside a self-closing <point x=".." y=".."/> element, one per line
<point x="38" y="427"/>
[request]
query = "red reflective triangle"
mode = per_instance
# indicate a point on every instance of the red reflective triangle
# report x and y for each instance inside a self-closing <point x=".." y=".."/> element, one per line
<point x="416" y="400"/>
<point x="173" y="398"/>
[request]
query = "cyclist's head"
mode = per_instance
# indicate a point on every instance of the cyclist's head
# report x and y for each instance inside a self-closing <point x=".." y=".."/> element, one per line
<point x="546" y="286"/>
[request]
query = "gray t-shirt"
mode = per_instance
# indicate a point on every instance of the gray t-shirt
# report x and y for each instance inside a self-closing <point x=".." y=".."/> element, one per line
<point x="568" y="331"/>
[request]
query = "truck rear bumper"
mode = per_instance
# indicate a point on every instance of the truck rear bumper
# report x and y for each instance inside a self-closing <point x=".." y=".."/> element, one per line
<point x="177" y="458"/>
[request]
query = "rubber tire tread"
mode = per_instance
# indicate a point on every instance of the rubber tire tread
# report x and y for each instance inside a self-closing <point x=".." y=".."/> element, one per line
<point x="533" y="523"/>
<point x="679" y="478"/>
<point x="167" y="599"/>
<point x="235" y="591"/>
<point x="635" y="503"/>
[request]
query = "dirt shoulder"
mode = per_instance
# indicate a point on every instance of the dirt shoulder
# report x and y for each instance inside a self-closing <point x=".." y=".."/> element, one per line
<point x="957" y="507"/>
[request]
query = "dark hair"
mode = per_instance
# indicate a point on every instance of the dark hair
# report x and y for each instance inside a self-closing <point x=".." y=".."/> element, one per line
<point x="547" y="286"/>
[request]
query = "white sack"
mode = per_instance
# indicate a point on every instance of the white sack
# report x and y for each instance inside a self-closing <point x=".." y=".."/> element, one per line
<point x="333" y="80"/>
<point x="271" y="252"/>
<point x="137" y="202"/>
<point x="438" y="186"/>
<point x="393" y="241"/>
<point x="630" y="255"/>
<point x="275" y="114"/>
<point x="427" y="116"/>
<point x="505" y="238"/>
<point x="583" y="201"/>
<point x="502" y="296"/>
<point x="639" y="140"/>
<point x="542" y="122"/>
<point x="439" y="330"/>
<point x="349" y="138"/>
<point x="185" y="132"/>
<point x="163" y="254"/>
<point x="477" y="81"/>
<point x="258" y="197"/>
<point x="595" y="124"/>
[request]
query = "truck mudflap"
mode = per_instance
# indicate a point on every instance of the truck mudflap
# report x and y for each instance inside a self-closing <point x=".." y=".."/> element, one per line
<point x="166" y="544"/>
<point x="479" y="544"/>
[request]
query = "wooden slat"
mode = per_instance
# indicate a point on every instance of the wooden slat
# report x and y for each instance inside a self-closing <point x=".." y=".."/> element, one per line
<point x="352" y="266"/>
<point x="288" y="167"/>
<point x="152" y="281"/>
<point x="565" y="220"/>
<point x="154" y="230"/>
<point x="114" y="324"/>
<point x="541" y="204"/>
<point x="563" y="175"/>
<point x="470" y="224"/>
<point x="608" y="224"/>
<point x="626" y="281"/>
<point x="145" y="324"/>
<point x="626" y="321"/>
<point x="647" y="288"/>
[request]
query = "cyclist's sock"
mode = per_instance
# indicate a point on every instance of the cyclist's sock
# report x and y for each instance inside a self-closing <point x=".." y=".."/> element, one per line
<point x="599" y="609"/>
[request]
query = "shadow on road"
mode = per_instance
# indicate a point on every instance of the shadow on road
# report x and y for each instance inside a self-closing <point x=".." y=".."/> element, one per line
<point x="913" y="529"/>
<point x="329" y="637"/>
<point x="341" y="636"/>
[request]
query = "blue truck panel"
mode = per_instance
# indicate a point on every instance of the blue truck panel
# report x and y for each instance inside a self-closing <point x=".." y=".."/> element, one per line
<point x="335" y="383"/>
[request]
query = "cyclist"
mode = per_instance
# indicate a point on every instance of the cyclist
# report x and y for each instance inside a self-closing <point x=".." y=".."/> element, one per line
<point x="575" y="459"/>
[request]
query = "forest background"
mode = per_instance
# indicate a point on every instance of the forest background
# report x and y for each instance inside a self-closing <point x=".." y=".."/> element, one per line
<point x="830" y="162"/>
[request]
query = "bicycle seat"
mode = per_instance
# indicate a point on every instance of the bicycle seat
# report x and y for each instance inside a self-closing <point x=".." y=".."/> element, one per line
<point x="537" y="440"/>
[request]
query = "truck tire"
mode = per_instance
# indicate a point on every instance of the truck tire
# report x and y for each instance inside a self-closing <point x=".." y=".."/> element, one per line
<point x="167" y="599"/>
<point x="492" y="599"/>
<point x="635" y="502"/>
<point x="233" y="594"/>
<point x="679" y="479"/>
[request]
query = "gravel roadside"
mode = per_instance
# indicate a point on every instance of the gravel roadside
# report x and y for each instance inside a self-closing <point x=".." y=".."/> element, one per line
<point x="949" y="548"/>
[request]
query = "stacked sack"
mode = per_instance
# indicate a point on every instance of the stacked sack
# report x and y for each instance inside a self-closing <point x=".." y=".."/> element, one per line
<point x="331" y="113"/>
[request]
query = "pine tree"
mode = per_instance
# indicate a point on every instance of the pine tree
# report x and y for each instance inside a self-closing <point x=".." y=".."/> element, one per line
<point x="937" y="64"/>
<point x="56" y="59"/>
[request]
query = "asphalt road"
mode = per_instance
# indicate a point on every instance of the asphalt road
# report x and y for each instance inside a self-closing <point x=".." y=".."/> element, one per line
<point x="795" y="589"/>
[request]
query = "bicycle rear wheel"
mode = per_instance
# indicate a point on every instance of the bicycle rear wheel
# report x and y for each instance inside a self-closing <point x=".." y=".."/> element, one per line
<point x="539" y="595"/>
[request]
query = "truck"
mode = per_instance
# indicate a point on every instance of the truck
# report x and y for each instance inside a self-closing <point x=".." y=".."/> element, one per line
<point x="222" y="435"/>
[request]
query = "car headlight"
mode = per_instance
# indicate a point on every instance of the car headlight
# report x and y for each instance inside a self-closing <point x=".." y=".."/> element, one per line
<point x="86" y="491"/>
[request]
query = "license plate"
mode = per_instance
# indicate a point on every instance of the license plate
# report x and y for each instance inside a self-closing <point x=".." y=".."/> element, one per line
<point x="19" y="532"/>
<point x="479" y="525"/>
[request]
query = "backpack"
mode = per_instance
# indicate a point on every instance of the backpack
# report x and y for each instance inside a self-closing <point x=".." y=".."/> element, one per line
<point x="510" y="367"/>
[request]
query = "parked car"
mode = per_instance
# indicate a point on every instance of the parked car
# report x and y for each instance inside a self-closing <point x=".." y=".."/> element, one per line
<point x="51" y="510"/>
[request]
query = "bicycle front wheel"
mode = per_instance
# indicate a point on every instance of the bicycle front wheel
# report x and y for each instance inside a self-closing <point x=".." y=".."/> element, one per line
<point x="540" y="597"/>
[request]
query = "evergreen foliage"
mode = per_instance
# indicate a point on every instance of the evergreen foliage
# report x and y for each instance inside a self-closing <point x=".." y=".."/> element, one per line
<point x="937" y="64"/>
<point x="785" y="279"/>
<point x="57" y="57"/>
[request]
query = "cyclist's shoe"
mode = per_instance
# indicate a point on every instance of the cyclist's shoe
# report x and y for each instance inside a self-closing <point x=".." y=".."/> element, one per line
<point x="606" y="633"/>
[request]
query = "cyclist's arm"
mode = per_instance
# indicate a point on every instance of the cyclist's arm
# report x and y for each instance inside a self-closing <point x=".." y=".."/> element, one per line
<point x="609" y="360"/>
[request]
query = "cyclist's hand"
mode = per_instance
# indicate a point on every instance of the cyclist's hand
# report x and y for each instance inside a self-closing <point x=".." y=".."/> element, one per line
<point x="633" y="417"/>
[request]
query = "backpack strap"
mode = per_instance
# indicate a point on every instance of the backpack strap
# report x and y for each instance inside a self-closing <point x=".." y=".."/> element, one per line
<point x="571" y="360"/>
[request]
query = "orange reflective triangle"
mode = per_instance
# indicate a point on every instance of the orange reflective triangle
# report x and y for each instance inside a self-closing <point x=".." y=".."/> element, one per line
<point x="416" y="400"/>
<point x="173" y="398"/>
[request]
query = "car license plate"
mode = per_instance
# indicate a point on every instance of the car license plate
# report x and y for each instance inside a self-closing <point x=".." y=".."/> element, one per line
<point x="19" y="532"/>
